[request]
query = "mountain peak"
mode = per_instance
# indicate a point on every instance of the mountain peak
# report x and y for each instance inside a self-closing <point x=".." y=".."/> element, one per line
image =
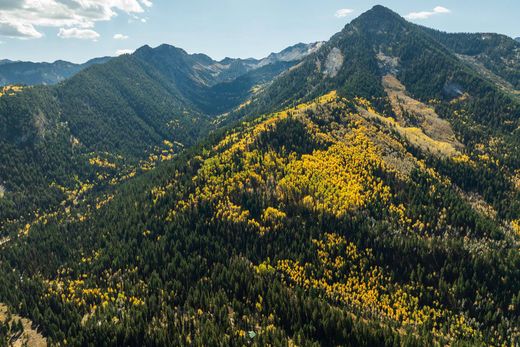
<point x="380" y="9"/>
<point x="379" y="16"/>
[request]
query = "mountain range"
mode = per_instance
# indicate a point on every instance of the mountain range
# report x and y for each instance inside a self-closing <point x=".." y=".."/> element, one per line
<point x="29" y="73"/>
<point x="363" y="191"/>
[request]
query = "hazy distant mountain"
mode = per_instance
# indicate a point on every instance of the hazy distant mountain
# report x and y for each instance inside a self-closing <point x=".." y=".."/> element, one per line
<point x="293" y="53"/>
<point x="518" y="39"/>
<point x="29" y="73"/>
<point x="211" y="72"/>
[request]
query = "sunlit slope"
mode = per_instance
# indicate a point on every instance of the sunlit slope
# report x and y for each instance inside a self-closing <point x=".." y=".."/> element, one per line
<point x="317" y="224"/>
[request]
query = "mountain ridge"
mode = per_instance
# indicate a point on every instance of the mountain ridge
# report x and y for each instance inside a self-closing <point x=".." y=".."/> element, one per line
<point x="34" y="73"/>
<point x="30" y="73"/>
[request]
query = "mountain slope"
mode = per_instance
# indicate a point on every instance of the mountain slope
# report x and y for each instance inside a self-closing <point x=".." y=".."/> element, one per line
<point x="378" y="42"/>
<point x="122" y="110"/>
<point x="119" y="110"/>
<point x="498" y="53"/>
<point x="380" y="45"/>
<point x="299" y="226"/>
<point x="29" y="73"/>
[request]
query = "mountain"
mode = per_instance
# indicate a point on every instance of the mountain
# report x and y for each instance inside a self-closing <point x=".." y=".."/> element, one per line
<point x="350" y="62"/>
<point x="494" y="56"/>
<point x="293" y="53"/>
<point x="122" y="110"/>
<point x="366" y="195"/>
<point x="29" y="73"/>
<point x="517" y="39"/>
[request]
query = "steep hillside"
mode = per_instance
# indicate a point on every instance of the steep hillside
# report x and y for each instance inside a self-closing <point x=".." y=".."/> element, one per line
<point x="319" y="224"/>
<point x="121" y="111"/>
<point x="380" y="42"/>
<point x="380" y="46"/>
<point x="497" y="53"/>
<point x="29" y="73"/>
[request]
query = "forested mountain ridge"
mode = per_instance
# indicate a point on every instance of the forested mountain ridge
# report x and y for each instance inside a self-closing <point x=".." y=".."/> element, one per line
<point x="121" y="111"/>
<point x="299" y="226"/>
<point x="370" y="197"/>
<point x="380" y="41"/>
<point x="379" y="46"/>
<point x="497" y="53"/>
<point x="29" y="73"/>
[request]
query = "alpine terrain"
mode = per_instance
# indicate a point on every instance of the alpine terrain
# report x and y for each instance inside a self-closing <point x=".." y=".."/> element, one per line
<point x="363" y="191"/>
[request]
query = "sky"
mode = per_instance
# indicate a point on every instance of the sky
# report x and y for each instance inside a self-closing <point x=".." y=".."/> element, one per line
<point x="78" y="30"/>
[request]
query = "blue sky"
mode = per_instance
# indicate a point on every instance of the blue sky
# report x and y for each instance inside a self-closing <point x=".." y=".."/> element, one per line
<point x="77" y="30"/>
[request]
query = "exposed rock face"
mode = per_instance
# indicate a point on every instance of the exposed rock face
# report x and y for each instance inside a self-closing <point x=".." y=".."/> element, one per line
<point x="333" y="63"/>
<point x="293" y="53"/>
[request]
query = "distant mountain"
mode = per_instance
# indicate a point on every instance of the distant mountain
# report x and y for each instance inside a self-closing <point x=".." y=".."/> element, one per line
<point x="211" y="72"/>
<point x="29" y="73"/>
<point x="517" y="39"/>
<point x="293" y="53"/>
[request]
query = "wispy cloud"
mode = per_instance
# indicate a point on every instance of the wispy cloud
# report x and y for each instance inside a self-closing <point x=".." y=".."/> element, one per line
<point x="16" y="29"/>
<point x="23" y="18"/>
<point x="120" y="37"/>
<point x="427" y="14"/>
<point x="124" y="51"/>
<point x="75" y="33"/>
<point x="342" y="13"/>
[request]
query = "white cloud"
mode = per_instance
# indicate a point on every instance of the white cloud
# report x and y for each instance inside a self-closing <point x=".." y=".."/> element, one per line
<point x="120" y="37"/>
<point x="427" y="14"/>
<point x="18" y="30"/>
<point x="24" y="18"/>
<point x="440" y="9"/>
<point x="124" y="51"/>
<point x="342" y="13"/>
<point x="76" y="33"/>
